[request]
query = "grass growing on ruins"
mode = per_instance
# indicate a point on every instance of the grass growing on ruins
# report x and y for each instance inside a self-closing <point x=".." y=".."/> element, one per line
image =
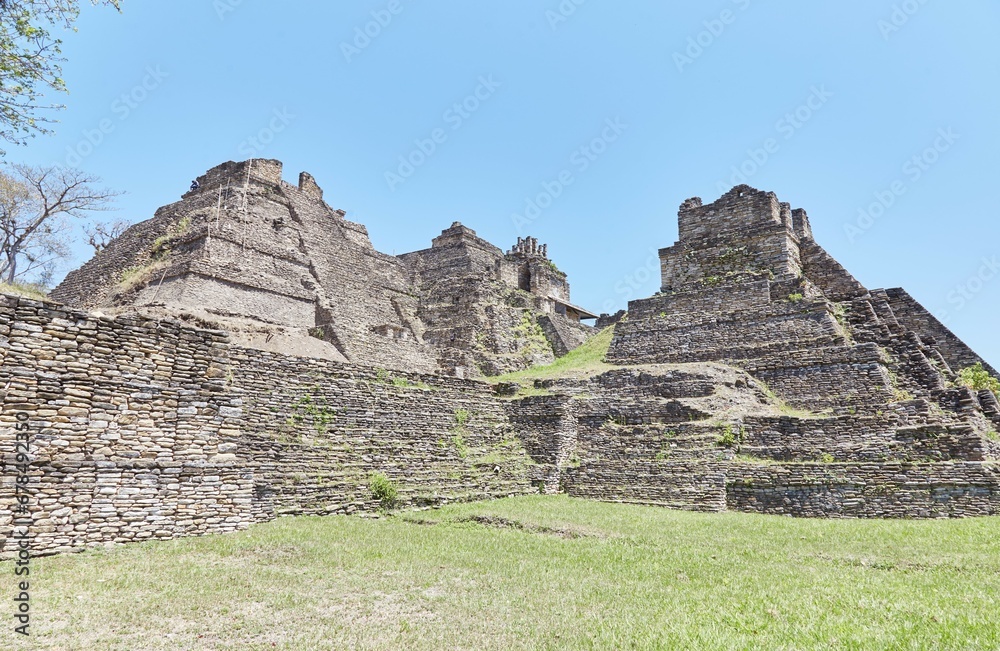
<point x="583" y="361"/>
<point x="535" y="573"/>
<point x="27" y="290"/>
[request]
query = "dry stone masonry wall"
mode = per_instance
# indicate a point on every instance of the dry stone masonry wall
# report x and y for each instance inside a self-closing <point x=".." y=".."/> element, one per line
<point x="144" y="429"/>
<point x="129" y="421"/>
<point x="315" y="430"/>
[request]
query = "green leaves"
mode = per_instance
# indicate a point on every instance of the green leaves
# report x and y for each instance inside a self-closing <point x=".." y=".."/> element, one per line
<point x="30" y="60"/>
<point x="978" y="378"/>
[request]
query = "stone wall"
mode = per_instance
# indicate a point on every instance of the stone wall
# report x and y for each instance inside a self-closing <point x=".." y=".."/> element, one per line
<point x="129" y="420"/>
<point x="547" y="427"/>
<point x="646" y="436"/>
<point x="146" y="429"/>
<point x="564" y="334"/>
<point x="915" y="316"/>
<point x="628" y="436"/>
<point x="828" y="274"/>
<point x="315" y="430"/>
<point x="664" y="336"/>
<point x="904" y="434"/>
<point x="364" y="301"/>
<point x="93" y="284"/>
<point x="860" y="490"/>
<point x="489" y="313"/>
<point x="763" y="377"/>
<point x="825" y="378"/>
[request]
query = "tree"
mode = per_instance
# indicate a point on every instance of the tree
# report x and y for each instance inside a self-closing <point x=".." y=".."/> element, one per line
<point x="30" y="59"/>
<point x="36" y="207"/>
<point x="100" y="234"/>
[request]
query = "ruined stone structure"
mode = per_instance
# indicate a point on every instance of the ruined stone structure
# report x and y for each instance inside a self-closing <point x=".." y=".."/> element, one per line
<point x="276" y="266"/>
<point x="762" y="377"/>
<point x="832" y="399"/>
<point x="142" y="429"/>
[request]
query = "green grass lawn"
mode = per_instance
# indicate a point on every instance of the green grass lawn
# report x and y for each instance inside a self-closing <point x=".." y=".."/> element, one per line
<point x="535" y="573"/>
<point x="584" y="361"/>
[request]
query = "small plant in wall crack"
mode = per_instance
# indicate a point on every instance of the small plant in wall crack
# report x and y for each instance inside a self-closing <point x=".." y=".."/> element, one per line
<point x="458" y="440"/>
<point x="458" y="432"/>
<point x="731" y="436"/>
<point x="316" y="409"/>
<point x="383" y="489"/>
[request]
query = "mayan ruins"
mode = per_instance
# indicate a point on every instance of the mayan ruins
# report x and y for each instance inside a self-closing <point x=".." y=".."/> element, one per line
<point x="246" y="353"/>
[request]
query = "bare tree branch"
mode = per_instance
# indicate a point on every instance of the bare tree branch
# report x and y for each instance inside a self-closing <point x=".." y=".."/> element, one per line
<point x="100" y="234"/>
<point x="36" y="206"/>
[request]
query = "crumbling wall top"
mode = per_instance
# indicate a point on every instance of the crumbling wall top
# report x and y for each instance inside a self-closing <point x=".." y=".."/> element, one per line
<point x="457" y="234"/>
<point x="800" y="222"/>
<point x="529" y="246"/>
<point x="308" y="185"/>
<point x="734" y="212"/>
<point x="231" y="173"/>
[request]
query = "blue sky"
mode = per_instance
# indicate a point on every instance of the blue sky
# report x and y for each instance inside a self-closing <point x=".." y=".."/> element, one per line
<point x="877" y="117"/>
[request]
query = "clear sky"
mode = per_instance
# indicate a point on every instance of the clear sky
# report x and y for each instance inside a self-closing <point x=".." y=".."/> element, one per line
<point x="877" y="116"/>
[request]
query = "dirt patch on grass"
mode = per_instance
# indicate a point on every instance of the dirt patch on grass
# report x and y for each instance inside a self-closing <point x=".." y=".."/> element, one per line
<point x="886" y="565"/>
<point x="498" y="522"/>
<point x="269" y="553"/>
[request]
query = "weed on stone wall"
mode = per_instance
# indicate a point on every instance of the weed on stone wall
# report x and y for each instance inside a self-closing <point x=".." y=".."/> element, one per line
<point x="899" y="394"/>
<point x="731" y="436"/>
<point x="783" y="407"/>
<point x="383" y="489"/>
<point x="978" y="378"/>
<point x="531" y="338"/>
<point x="840" y="314"/>
<point x="383" y="376"/>
<point x="459" y="432"/>
<point x="161" y="245"/>
<point x="133" y="277"/>
<point x="316" y="409"/>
